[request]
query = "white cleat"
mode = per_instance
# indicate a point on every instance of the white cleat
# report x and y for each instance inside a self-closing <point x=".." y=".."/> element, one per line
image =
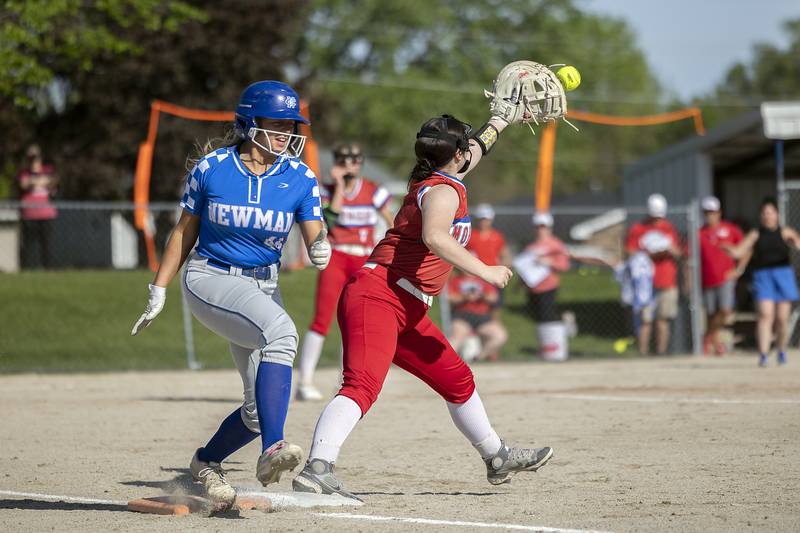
<point x="308" y="393"/>
<point x="276" y="460"/>
<point x="212" y="476"/>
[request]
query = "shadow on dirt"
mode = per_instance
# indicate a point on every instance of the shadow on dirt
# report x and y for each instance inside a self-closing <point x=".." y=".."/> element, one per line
<point x="38" y="505"/>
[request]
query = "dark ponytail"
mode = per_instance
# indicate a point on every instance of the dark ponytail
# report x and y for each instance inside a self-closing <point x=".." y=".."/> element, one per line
<point x="438" y="141"/>
<point x="422" y="169"/>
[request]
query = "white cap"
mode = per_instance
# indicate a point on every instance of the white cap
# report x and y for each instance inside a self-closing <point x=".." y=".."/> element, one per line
<point x="543" y="219"/>
<point x="483" y="211"/>
<point x="710" y="203"/>
<point x="657" y="205"/>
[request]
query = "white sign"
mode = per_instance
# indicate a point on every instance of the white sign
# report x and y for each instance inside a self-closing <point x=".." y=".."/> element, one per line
<point x="781" y="120"/>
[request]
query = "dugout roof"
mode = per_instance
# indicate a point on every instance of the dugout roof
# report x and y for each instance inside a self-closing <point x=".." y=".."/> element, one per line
<point x="733" y="161"/>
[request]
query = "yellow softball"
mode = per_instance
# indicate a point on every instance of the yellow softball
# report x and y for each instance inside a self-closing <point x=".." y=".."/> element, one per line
<point x="569" y="77"/>
<point x="620" y="345"/>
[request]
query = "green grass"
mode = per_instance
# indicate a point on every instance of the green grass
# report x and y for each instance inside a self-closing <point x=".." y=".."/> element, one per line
<point x="81" y="321"/>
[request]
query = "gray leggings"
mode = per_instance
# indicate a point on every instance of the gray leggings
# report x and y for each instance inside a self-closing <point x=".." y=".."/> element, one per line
<point x="247" y="312"/>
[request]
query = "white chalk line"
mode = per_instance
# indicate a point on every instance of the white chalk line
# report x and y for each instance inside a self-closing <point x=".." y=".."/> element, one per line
<point x="280" y="500"/>
<point x="459" y="523"/>
<point x="286" y="498"/>
<point x="665" y="399"/>
<point x="67" y="499"/>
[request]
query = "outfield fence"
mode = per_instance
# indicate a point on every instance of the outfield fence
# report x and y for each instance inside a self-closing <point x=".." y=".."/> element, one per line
<point x="594" y="317"/>
<point x="101" y="236"/>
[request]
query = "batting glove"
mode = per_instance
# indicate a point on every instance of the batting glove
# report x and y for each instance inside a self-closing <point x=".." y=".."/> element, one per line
<point x="155" y="303"/>
<point x="320" y="251"/>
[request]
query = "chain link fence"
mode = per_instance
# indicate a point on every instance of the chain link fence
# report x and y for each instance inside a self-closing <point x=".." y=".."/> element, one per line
<point x="790" y="216"/>
<point x="593" y="319"/>
<point x="82" y="276"/>
<point x="73" y="286"/>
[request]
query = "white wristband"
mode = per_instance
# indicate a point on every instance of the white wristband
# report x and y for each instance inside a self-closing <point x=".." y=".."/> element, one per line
<point x="156" y="290"/>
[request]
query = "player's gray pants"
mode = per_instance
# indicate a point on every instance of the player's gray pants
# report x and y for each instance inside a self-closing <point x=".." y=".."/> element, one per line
<point x="247" y="312"/>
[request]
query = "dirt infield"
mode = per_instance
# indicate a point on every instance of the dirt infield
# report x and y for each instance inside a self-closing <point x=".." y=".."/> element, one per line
<point x="640" y="445"/>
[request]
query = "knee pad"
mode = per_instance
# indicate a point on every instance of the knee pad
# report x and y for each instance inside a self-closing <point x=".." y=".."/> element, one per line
<point x="280" y="341"/>
<point x="250" y="416"/>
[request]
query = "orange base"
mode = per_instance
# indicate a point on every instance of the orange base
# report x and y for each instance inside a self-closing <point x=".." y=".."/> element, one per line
<point x="184" y="505"/>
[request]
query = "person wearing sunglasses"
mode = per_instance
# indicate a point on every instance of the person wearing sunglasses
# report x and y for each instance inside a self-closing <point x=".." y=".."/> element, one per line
<point x="383" y="310"/>
<point x="351" y="206"/>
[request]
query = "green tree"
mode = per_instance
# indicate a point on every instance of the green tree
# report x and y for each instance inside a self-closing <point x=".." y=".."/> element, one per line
<point x="46" y="45"/>
<point x="94" y="139"/>
<point x="41" y="38"/>
<point x="379" y="69"/>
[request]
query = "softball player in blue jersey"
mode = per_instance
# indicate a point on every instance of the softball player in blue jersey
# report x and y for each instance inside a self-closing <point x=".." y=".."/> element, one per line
<point x="239" y="204"/>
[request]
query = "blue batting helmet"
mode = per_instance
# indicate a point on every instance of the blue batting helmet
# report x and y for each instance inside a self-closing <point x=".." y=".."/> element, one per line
<point x="267" y="99"/>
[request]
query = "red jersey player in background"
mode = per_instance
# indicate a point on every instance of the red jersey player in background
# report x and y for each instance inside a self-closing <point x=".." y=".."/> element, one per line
<point x="383" y="310"/>
<point x="486" y="242"/>
<point x="351" y="205"/>
<point x="551" y="253"/>
<point x="719" y="271"/>
<point x="489" y="245"/>
<point x="656" y="236"/>
<point x="473" y="301"/>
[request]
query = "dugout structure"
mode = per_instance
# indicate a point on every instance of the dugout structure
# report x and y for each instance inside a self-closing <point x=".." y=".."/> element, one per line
<point x="143" y="219"/>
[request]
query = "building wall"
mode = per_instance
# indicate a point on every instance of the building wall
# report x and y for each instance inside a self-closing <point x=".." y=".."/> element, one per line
<point x="681" y="180"/>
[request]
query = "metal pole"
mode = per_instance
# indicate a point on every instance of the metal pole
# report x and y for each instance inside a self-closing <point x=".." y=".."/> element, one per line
<point x="780" y="182"/>
<point x="696" y="296"/>
<point x="188" y="334"/>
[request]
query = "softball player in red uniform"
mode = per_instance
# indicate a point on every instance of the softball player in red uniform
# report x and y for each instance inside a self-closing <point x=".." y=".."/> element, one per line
<point x="383" y="310"/>
<point x="352" y="205"/>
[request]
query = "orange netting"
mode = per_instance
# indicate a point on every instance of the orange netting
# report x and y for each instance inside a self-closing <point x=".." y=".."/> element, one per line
<point x="144" y="162"/>
<point x="547" y="143"/>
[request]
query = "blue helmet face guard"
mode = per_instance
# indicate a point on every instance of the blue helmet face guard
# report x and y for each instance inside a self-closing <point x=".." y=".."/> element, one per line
<point x="294" y="141"/>
<point x="270" y="100"/>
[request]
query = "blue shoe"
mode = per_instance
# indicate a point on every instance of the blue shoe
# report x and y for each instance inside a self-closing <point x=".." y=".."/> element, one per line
<point x="781" y="358"/>
<point x="762" y="360"/>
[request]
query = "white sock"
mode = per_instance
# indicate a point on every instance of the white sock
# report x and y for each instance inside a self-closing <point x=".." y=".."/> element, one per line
<point x="309" y="356"/>
<point x="334" y="425"/>
<point x="471" y="420"/>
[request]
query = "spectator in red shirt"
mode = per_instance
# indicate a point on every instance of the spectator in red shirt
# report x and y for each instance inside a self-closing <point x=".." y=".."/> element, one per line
<point x="719" y="271"/>
<point x="656" y="236"/>
<point x="37" y="182"/>
<point x="488" y="245"/>
<point x="486" y="242"/>
<point x="473" y="301"/>
<point x="550" y="253"/>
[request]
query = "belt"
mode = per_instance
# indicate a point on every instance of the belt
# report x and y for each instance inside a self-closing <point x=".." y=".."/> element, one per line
<point x="406" y="285"/>
<point x="353" y="249"/>
<point x="262" y="272"/>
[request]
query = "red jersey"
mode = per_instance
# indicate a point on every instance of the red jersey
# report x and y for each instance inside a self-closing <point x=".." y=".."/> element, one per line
<point x="359" y="214"/>
<point x="465" y="285"/>
<point x="486" y="245"/>
<point x="553" y="248"/>
<point x="714" y="261"/>
<point x="36" y="200"/>
<point x="402" y="250"/>
<point x="656" y="230"/>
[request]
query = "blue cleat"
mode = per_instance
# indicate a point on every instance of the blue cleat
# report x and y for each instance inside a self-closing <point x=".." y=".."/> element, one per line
<point x="762" y="360"/>
<point x="781" y="358"/>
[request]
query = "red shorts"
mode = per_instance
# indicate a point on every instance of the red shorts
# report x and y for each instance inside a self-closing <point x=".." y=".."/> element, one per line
<point x="381" y="324"/>
<point x="329" y="288"/>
